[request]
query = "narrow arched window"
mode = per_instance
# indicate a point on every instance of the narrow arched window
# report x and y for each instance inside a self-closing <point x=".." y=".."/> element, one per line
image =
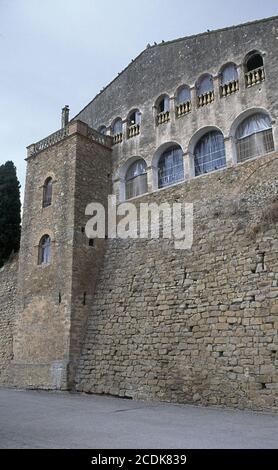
<point x="229" y="80"/>
<point x="44" y="250"/>
<point x="209" y="153"/>
<point x="47" y="192"/>
<point x="170" y="167"/>
<point x="254" y="69"/>
<point x="254" y="137"/>
<point x="205" y="90"/>
<point x="136" y="179"/>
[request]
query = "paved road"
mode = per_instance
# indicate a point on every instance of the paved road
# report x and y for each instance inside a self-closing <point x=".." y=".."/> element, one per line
<point x="30" y="419"/>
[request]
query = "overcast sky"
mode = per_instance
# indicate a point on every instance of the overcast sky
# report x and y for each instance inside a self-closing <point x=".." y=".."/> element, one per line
<point x="58" y="52"/>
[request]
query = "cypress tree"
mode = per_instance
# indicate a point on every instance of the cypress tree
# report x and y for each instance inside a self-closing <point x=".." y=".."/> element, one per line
<point x="9" y="211"/>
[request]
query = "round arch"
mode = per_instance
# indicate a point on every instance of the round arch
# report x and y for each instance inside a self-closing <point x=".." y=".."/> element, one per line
<point x="167" y="146"/>
<point x="121" y="174"/>
<point x="256" y="135"/>
<point x="207" y="163"/>
<point x="114" y="128"/>
<point x="253" y="60"/>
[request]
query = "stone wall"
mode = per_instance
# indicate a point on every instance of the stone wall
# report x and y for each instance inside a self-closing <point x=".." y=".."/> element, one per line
<point x="54" y="298"/>
<point x="197" y="326"/>
<point x="163" y="69"/>
<point x="8" y="291"/>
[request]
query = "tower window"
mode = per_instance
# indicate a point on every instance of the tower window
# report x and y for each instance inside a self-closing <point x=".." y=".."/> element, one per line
<point x="47" y="193"/>
<point x="45" y="250"/>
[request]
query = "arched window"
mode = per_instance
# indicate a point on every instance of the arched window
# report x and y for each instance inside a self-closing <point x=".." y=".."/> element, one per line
<point x="136" y="179"/>
<point x="117" y="131"/>
<point x="134" y="117"/>
<point x="183" y="95"/>
<point x="117" y="127"/>
<point x="229" y="80"/>
<point x="254" y="69"/>
<point x="134" y="122"/>
<point x="254" y="137"/>
<point x="163" y="104"/>
<point x="102" y="130"/>
<point x="47" y="192"/>
<point x="209" y="153"/>
<point x="253" y="61"/>
<point x="183" y="101"/>
<point x="44" y="250"/>
<point x="163" y="109"/>
<point x="205" y="90"/>
<point x="170" y="167"/>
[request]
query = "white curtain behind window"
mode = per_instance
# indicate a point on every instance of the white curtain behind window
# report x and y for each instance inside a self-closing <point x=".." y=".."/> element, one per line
<point x="118" y="127"/>
<point x="170" y="167"/>
<point x="229" y="74"/>
<point x="183" y="95"/>
<point x="256" y="123"/>
<point x="205" y="85"/>
<point x="254" y="137"/>
<point x="210" y="153"/>
<point x="136" y="179"/>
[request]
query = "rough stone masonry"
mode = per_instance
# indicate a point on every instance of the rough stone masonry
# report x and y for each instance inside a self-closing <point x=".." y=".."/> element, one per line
<point x="138" y="318"/>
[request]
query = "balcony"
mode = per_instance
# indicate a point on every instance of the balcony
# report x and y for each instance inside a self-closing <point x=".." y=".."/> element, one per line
<point x="118" y="138"/>
<point x="205" y="99"/>
<point x="183" y="108"/>
<point x="254" y="77"/>
<point x="229" y="88"/>
<point x="163" y="117"/>
<point x="133" y="131"/>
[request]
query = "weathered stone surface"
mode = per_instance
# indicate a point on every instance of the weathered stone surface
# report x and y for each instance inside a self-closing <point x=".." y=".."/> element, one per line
<point x="139" y="318"/>
<point x="206" y="338"/>
<point x="8" y="291"/>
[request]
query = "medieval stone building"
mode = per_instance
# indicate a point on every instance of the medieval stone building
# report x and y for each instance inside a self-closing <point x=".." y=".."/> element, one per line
<point x="191" y="120"/>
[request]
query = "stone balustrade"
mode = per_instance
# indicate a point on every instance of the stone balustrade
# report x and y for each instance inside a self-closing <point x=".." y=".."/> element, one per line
<point x="254" y="77"/>
<point x="118" y="138"/>
<point x="206" y="98"/>
<point x="163" y="117"/>
<point x="98" y="137"/>
<point x="183" y="108"/>
<point x="229" y="88"/>
<point x="52" y="139"/>
<point x="78" y="127"/>
<point x="133" y="130"/>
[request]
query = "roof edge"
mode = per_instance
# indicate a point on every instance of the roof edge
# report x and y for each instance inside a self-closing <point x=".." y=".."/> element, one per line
<point x="172" y="41"/>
